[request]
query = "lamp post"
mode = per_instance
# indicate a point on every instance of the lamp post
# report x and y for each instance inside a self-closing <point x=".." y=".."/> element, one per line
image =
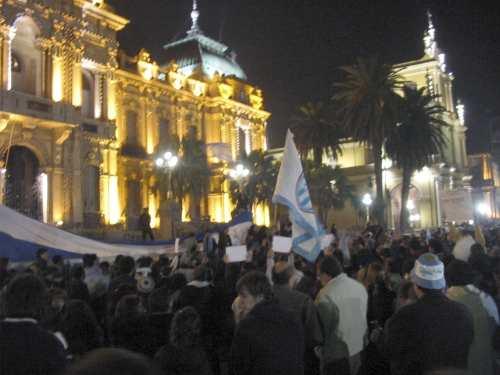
<point x="238" y="174"/>
<point x="166" y="163"/>
<point x="367" y="201"/>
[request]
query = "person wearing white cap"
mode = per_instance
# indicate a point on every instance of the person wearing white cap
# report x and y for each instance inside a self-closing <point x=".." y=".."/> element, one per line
<point x="432" y="335"/>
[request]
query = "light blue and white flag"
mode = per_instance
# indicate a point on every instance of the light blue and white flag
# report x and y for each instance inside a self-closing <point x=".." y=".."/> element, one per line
<point x="291" y="190"/>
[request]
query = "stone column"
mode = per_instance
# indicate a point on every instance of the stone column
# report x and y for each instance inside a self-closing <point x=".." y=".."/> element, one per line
<point x="57" y="75"/>
<point x="110" y="96"/>
<point x="77" y="81"/>
<point x="77" y="179"/>
<point x="98" y="102"/>
<point x="7" y="33"/>
<point x="57" y="194"/>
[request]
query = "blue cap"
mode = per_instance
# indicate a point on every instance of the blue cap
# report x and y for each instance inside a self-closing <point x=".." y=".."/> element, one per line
<point x="428" y="272"/>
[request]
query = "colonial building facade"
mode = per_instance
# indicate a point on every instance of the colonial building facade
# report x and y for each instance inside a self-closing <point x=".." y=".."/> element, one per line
<point x="440" y="192"/>
<point x="81" y="123"/>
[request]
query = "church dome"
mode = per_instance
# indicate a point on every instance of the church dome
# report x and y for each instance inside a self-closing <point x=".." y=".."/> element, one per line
<point x="197" y="52"/>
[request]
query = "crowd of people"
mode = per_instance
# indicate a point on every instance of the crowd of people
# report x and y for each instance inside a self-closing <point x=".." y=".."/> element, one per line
<point x="373" y="303"/>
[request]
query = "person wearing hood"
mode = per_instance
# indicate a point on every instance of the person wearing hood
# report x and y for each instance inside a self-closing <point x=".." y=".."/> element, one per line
<point x="184" y="353"/>
<point x="268" y="339"/>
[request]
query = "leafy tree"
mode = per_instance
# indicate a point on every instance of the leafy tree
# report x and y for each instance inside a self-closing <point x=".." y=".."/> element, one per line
<point x="191" y="177"/>
<point x="314" y="131"/>
<point x="367" y="109"/>
<point x="418" y="136"/>
<point x="259" y="186"/>
<point x="328" y="186"/>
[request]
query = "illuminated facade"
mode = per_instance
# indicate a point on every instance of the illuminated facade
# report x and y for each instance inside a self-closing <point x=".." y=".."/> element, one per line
<point x="439" y="192"/>
<point x="81" y="123"/>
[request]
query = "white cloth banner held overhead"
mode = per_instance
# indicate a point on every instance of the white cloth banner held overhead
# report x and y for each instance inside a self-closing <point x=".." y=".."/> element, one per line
<point x="291" y="190"/>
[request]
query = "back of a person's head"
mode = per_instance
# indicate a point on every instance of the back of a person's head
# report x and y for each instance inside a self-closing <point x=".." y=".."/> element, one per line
<point x="256" y="284"/>
<point x="128" y="306"/>
<point x="144" y="262"/>
<point x="25" y="297"/>
<point x="111" y="361"/>
<point x="4" y="263"/>
<point x="406" y="291"/>
<point x="80" y="327"/>
<point x="89" y="260"/>
<point x="202" y="273"/>
<point x="330" y="266"/>
<point x="41" y="251"/>
<point x="177" y="281"/>
<point x="57" y="259"/>
<point x="126" y="265"/>
<point x="282" y="277"/>
<point x="77" y="272"/>
<point x="185" y="329"/>
<point x="459" y="273"/>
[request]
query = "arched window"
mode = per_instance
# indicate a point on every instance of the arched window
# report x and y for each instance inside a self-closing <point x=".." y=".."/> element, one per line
<point x="131" y="128"/>
<point x="15" y="66"/>
<point x="26" y="57"/>
<point x="87" y="94"/>
<point x="164" y="132"/>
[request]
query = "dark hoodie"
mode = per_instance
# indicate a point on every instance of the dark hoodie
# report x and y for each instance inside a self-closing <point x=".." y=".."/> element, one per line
<point x="268" y="341"/>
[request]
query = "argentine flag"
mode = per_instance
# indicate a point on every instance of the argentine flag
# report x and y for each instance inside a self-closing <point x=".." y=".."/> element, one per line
<point x="291" y="190"/>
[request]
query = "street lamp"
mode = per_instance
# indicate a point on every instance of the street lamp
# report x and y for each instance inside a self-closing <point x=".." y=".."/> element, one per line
<point x="483" y="209"/>
<point x="165" y="163"/>
<point x="367" y="201"/>
<point x="238" y="174"/>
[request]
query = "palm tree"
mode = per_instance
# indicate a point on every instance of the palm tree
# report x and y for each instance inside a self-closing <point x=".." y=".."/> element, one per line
<point x="329" y="188"/>
<point x="367" y="109"/>
<point x="315" y="131"/>
<point x="258" y="187"/>
<point x="191" y="178"/>
<point x="418" y="137"/>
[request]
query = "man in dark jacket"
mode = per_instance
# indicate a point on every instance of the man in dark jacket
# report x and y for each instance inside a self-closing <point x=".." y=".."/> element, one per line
<point x="433" y="333"/>
<point x="145" y="225"/>
<point x="268" y="340"/>
<point x="303" y="309"/>
<point x="25" y="347"/>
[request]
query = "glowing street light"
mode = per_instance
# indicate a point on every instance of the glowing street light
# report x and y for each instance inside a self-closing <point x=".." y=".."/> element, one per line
<point x="367" y="201"/>
<point x="410" y="205"/>
<point x="239" y="172"/>
<point x="167" y="160"/>
<point x="483" y="209"/>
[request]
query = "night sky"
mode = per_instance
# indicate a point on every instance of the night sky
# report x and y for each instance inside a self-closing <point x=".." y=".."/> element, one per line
<point x="292" y="48"/>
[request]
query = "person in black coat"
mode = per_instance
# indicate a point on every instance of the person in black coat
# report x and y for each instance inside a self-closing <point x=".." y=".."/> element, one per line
<point x="432" y="334"/>
<point x="25" y="347"/>
<point x="268" y="340"/>
<point x="184" y="354"/>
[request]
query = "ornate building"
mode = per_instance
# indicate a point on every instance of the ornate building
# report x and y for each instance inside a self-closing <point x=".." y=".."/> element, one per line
<point x="439" y="192"/>
<point x="81" y="123"/>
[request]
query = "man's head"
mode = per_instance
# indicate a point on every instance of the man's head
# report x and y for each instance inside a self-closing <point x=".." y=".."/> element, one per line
<point x="4" y="263"/>
<point x="459" y="273"/>
<point x="89" y="260"/>
<point x="42" y="253"/>
<point x="282" y="272"/>
<point x="253" y="288"/>
<point x="126" y="265"/>
<point x="329" y="269"/>
<point x="428" y="274"/>
<point x="25" y="297"/>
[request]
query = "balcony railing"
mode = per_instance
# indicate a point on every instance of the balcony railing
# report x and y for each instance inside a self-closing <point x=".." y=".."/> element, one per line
<point x="37" y="107"/>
